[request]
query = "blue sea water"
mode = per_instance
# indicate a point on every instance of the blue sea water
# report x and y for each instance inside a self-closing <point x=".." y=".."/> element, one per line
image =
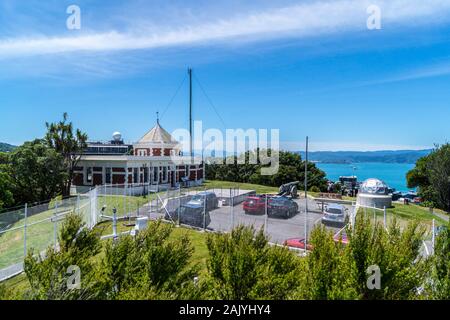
<point x="393" y="174"/>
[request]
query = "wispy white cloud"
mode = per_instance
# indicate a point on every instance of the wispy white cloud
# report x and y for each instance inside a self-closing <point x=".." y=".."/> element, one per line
<point x="302" y="20"/>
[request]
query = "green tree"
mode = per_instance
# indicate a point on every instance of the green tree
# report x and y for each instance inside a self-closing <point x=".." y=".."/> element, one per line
<point x="242" y="266"/>
<point x="291" y="168"/>
<point x="432" y="176"/>
<point x="36" y="172"/>
<point x="71" y="145"/>
<point x="395" y="251"/>
<point x="6" y="194"/>
<point x="440" y="274"/>
<point x="328" y="272"/>
<point x="150" y="266"/>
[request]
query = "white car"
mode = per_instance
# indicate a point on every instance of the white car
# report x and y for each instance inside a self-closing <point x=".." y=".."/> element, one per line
<point x="334" y="215"/>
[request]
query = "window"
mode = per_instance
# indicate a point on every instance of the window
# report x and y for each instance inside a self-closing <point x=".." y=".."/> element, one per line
<point x="164" y="174"/>
<point x="108" y="175"/>
<point x="89" y="175"/>
<point x="155" y="174"/>
<point x="187" y="171"/>
<point x="146" y="174"/>
<point x="135" y="175"/>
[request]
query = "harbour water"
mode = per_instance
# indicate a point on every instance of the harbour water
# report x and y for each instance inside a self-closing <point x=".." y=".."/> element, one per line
<point x="393" y="174"/>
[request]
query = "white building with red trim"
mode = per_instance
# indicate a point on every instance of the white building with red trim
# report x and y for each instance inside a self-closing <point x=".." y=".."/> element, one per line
<point x="156" y="159"/>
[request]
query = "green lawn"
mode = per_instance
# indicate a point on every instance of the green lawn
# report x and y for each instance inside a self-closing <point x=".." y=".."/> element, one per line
<point x="407" y="213"/>
<point x="41" y="235"/>
<point x="211" y="184"/>
<point x="316" y="195"/>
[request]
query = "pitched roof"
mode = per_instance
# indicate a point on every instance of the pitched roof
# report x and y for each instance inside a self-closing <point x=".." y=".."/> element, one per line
<point x="157" y="135"/>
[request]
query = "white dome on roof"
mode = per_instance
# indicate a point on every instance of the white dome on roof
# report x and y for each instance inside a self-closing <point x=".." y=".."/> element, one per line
<point x="117" y="136"/>
<point x="373" y="186"/>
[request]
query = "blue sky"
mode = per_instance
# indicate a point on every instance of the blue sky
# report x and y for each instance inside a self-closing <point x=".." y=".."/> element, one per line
<point x="304" y="67"/>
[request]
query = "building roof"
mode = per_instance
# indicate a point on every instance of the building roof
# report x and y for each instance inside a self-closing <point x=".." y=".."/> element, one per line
<point x="157" y="135"/>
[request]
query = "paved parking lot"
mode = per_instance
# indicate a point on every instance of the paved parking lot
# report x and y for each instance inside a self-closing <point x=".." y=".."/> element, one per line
<point x="278" y="229"/>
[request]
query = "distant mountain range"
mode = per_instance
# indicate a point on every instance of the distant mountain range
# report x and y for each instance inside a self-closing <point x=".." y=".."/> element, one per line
<point x="4" y="147"/>
<point x="397" y="156"/>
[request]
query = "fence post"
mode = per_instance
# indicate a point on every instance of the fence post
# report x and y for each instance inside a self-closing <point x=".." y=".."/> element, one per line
<point x="433" y="235"/>
<point x="179" y="204"/>
<point x="78" y="203"/>
<point x="266" y="217"/>
<point x="232" y="209"/>
<point x="384" y="212"/>
<point x="374" y="215"/>
<point x="148" y="192"/>
<point x="114" y="223"/>
<point x="125" y="194"/>
<point x="204" y="209"/>
<point x="25" y="232"/>
<point x="55" y="226"/>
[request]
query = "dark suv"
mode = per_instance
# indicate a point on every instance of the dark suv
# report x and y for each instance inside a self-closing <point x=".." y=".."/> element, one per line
<point x="282" y="207"/>
<point x="211" y="200"/>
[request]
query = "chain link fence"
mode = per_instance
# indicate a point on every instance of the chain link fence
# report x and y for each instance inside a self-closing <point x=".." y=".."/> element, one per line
<point x="37" y="227"/>
<point x="284" y="220"/>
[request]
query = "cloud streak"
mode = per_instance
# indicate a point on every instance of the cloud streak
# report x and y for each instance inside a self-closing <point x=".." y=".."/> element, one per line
<point x="303" y="20"/>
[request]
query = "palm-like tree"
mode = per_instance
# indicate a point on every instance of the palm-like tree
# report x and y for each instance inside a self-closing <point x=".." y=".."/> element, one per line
<point x="70" y="145"/>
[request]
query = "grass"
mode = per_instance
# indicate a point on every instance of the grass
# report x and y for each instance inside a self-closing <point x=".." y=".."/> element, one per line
<point x="41" y="234"/>
<point x="407" y="213"/>
<point x="216" y="184"/>
<point x="316" y="195"/>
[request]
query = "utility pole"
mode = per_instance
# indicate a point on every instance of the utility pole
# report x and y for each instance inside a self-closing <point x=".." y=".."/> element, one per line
<point x="190" y="111"/>
<point x="306" y="195"/>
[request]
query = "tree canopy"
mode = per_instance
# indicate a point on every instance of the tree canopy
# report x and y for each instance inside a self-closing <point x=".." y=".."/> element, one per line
<point x="291" y="168"/>
<point x="32" y="173"/>
<point x="69" y="144"/>
<point x="431" y="176"/>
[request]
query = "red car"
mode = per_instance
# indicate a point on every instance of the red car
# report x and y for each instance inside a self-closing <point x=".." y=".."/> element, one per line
<point x="298" y="243"/>
<point x="255" y="204"/>
<point x="344" y="240"/>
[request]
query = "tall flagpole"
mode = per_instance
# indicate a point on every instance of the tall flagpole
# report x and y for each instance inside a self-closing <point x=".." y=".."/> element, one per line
<point x="306" y="195"/>
<point x="190" y="111"/>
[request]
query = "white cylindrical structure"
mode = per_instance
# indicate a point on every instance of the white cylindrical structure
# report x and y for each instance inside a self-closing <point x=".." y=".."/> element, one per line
<point x="374" y="193"/>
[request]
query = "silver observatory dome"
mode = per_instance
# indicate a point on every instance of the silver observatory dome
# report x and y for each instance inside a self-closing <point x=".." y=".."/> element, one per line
<point x="373" y="186"/>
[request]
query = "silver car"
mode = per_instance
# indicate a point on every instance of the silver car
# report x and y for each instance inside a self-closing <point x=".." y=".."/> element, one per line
<point x="334" y="216"/>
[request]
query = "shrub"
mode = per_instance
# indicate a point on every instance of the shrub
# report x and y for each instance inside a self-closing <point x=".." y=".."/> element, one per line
<point x="243" y="266"/>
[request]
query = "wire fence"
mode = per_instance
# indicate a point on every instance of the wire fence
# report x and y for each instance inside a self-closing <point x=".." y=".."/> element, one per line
<point x="37" y="227"/>
<point x="131" y="206"/>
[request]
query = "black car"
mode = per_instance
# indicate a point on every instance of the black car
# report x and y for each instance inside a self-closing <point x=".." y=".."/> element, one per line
<point x="191" y="215"/>
<point x="282" y="207"/>
<point x="199" y="199"/>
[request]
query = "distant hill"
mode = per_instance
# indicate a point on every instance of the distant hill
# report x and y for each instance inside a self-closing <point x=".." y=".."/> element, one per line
<point x="4" y="147"/>
<point x="398" y="156"/>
